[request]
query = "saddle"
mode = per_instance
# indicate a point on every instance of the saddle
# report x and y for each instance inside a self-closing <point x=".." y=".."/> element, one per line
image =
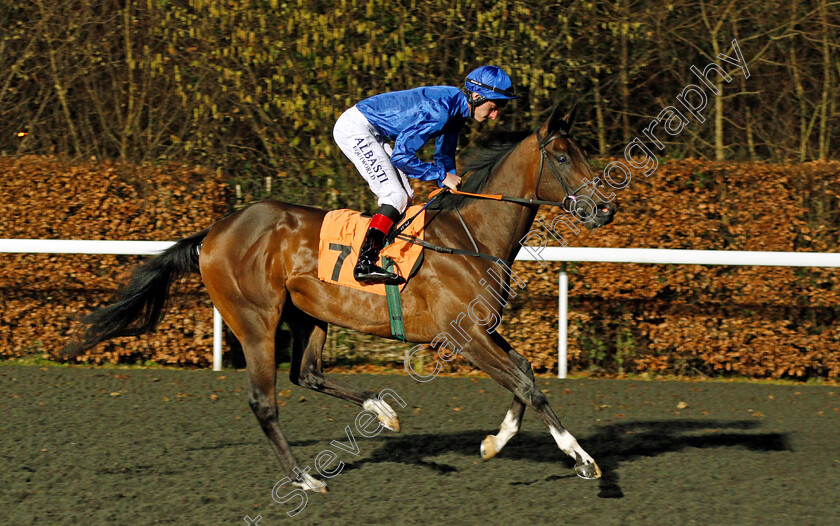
<point x="342" y="233"/>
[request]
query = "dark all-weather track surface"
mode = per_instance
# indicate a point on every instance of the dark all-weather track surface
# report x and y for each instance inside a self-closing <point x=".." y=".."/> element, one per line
<point x="136" y="447"/>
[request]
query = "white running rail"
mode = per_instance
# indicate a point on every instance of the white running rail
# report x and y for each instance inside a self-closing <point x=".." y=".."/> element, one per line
<point x="128" y="248"/>
<point x="661" y="256"/>
<point x="561" y="254"/>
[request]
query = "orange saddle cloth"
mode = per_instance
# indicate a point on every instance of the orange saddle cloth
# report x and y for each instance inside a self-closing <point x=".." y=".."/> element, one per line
<point x="342" y="234"/>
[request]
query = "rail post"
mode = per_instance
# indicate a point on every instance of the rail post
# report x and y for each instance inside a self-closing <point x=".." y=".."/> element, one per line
<point x="562" y="321"/>
<point x="217" y="340"/>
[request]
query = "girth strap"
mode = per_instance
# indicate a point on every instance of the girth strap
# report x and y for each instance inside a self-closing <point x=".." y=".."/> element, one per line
<point x="395" y="312"/>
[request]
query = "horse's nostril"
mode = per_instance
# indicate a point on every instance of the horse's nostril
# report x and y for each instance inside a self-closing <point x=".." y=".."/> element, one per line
<point x="607" y="209"/>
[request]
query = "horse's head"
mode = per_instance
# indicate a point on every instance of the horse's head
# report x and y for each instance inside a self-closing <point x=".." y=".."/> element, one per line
<point x="565" y="175"/>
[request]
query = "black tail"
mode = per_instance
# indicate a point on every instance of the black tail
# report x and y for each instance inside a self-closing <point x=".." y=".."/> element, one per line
<point x="140" y="305"/>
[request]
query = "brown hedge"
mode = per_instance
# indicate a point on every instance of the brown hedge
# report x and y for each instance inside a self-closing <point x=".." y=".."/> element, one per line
<point x="753" y="321"/>
<point x="759" y="322"/>
<point x="44" y="198"/>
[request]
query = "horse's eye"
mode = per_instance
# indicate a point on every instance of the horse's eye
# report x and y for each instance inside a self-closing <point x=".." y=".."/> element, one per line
<point x="561" y="158"/>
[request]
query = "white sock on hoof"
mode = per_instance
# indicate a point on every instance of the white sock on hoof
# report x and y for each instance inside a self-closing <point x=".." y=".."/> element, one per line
<point x="567" y="443"/>
<point x="507" y="430"/>
<point x="386" y="415"/>
<point x="310" y="483"/>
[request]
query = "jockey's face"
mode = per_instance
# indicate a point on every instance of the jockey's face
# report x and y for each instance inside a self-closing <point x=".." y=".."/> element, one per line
<point x="487" y="110"/>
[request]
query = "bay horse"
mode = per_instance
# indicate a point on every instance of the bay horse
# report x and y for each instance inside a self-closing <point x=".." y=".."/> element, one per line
<point x="260" y="269"/>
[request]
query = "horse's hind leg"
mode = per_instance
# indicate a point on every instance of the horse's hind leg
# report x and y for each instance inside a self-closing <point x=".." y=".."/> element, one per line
<point x="492" y="444"/>
<point x="255" y="329"/>
<point x="308" y="337"/>
<point x="259" y="354"/>
<point x="492" y="358"/>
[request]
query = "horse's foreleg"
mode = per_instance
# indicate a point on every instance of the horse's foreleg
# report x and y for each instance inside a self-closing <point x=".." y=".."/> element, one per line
<point x="492" y="444"/>
<point x="308" y="337"/>
<point x="493" y="359"/>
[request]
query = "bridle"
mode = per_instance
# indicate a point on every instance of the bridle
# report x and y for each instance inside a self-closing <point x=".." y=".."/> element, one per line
<point x="568" y="204"/>
<point x="570" y="199"/>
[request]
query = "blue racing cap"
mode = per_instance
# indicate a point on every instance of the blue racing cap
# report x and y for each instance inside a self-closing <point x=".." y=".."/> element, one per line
<point x="490" y="82"/>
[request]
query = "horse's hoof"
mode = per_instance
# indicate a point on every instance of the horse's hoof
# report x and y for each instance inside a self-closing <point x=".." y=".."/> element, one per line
<point x="588" y="471"/>
<point x="310" y="483"/>
<point x="488" y="447"/>
<point x="387" y="417"/>
<point x="390" y="423"/>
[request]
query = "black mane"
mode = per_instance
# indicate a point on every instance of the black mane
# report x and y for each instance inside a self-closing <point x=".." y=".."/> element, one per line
<point x="491" y="150"/>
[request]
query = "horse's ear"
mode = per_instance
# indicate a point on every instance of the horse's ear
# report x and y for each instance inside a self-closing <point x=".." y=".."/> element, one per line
<point x="563" y="124"/>
<point x="569" y="119"/>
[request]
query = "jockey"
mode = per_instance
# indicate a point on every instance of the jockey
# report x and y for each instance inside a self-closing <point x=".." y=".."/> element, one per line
<point x="410" y="118"/>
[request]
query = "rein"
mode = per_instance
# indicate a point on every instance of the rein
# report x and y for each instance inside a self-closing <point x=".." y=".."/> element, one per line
<point x="397" y="233"/>
<point x="567" y="204"/>
<point x="571" y="195"/>
<point x="499" y="197"/>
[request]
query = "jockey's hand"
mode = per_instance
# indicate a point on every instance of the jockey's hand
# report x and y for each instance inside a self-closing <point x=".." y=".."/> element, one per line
<point x="452" y="181"/>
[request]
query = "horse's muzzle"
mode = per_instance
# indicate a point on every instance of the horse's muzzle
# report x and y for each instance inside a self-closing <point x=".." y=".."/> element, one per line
<point x="604" y="214"/>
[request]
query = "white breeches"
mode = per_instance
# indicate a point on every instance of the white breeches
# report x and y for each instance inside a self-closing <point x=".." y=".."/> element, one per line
<point x="371" y="154"/>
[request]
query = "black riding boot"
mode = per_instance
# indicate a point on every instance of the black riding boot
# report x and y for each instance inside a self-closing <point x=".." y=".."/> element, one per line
<point x="367" y="271"/>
